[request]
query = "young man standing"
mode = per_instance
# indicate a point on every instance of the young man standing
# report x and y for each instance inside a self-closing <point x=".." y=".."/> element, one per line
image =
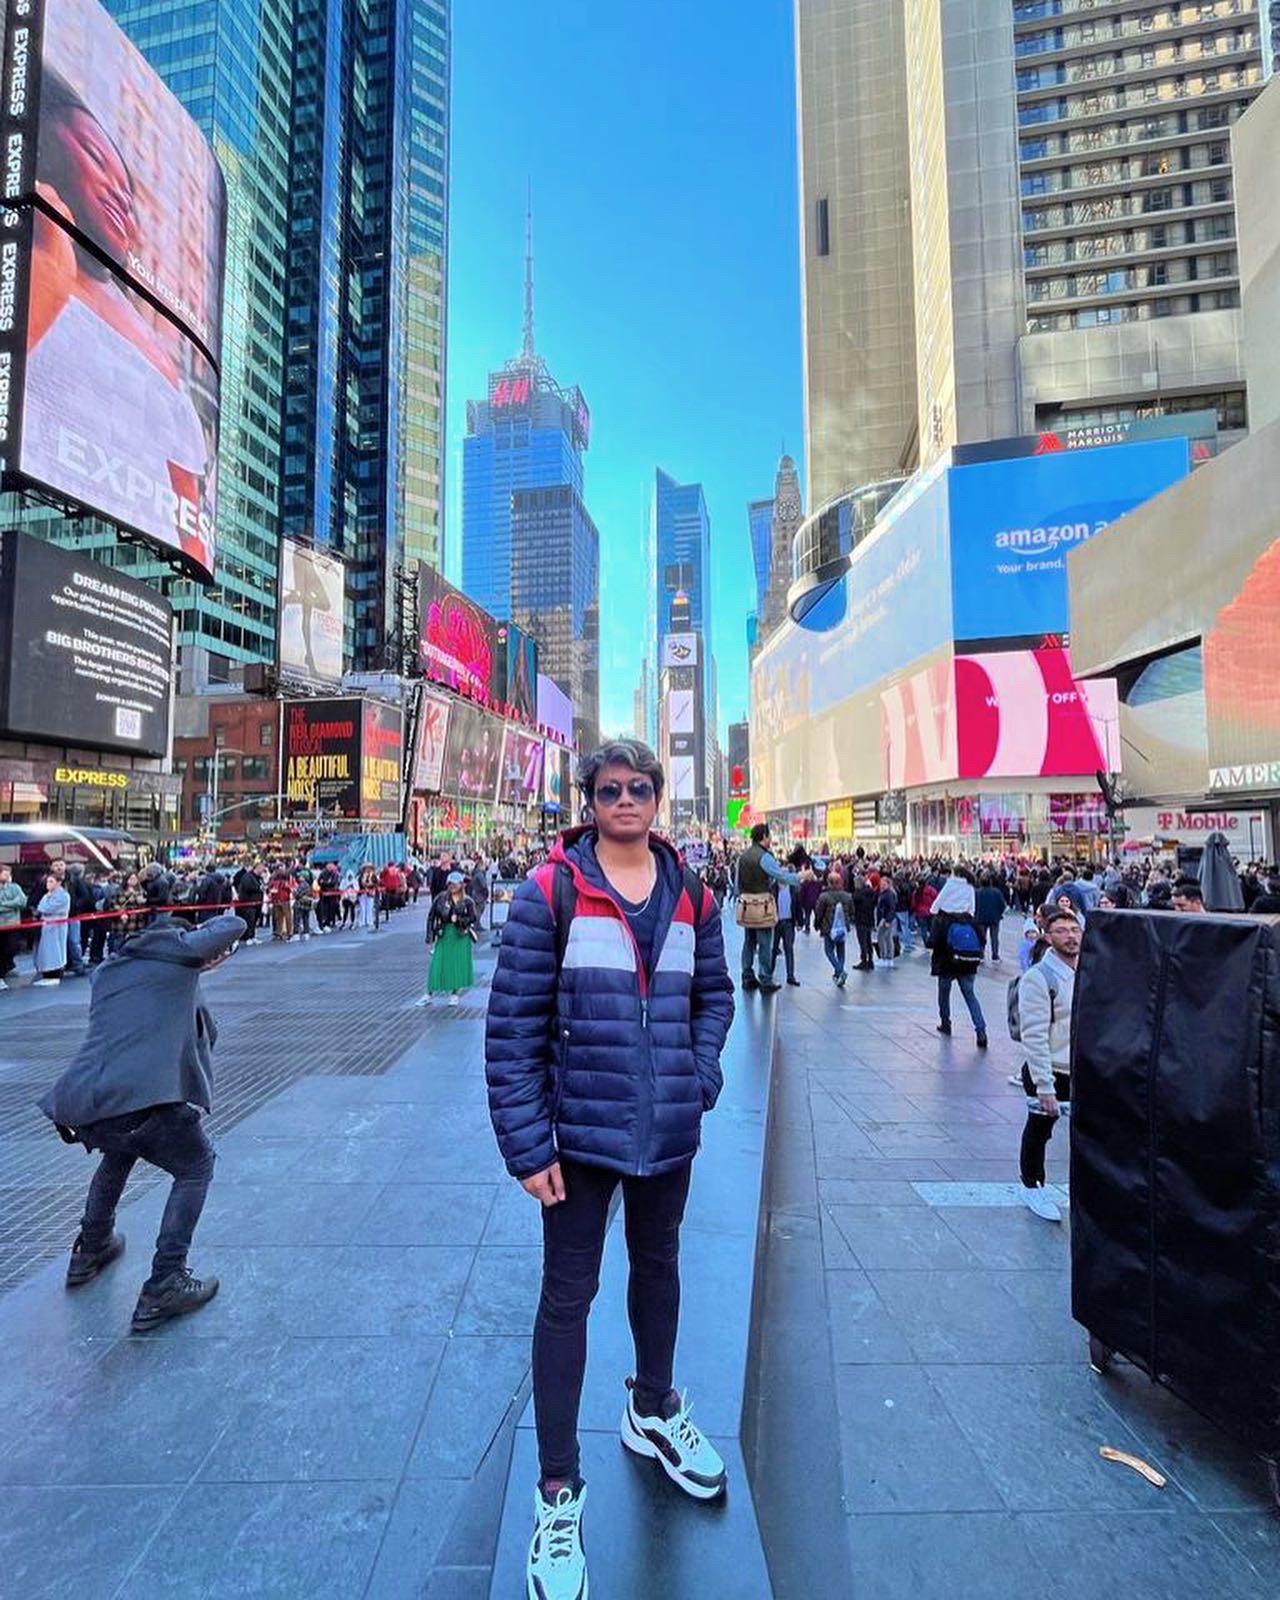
<point x="1045" y="991"/>
<point x="609" y="1011"/>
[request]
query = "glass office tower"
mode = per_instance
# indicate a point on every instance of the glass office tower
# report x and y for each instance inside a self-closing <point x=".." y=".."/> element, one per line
<point x="364" y="392"/>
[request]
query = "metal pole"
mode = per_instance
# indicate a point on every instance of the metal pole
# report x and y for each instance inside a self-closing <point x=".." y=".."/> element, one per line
<point x="280" y="759"/>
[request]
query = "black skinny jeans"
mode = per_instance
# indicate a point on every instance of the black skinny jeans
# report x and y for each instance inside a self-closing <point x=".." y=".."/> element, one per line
<point x="1039" y="1129"/>
<point x="170" y="1137"/>
<point x="572" y="1244"/>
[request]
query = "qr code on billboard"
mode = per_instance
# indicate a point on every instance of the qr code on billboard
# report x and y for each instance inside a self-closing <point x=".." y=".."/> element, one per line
<point x="128" y="723"/>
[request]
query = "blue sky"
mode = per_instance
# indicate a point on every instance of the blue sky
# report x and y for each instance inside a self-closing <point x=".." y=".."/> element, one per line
<point x="660" y="141"/>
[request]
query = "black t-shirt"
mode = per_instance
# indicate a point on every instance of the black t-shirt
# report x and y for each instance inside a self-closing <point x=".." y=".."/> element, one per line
<point x="642" y="919"/>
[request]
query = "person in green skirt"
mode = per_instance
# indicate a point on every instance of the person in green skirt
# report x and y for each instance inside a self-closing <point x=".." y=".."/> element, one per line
<point x="452" y="928"/>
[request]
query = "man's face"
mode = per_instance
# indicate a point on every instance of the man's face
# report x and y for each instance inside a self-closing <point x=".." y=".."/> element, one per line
<point x="1184" y="902"/>
<point x="624" y="802"/>
<point x="1064" y="936"/>
<point x="58" y="870"/>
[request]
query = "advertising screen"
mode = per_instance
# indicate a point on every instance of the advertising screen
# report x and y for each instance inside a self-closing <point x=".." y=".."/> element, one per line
<point x="87" y="656"/>
<point x="1241" y="688"/>
<point x="1013" y="524"/>
<point x="458" y="646"/>
<point x="555" y="785"/>
<point x="93" y="137"/>
<point x="322" y="757"/>
<point x="433" y="732"/>
<point x="473" y="754"/>
<point x="521" y="781"/>
<point x="381" y="758"/>
<point x="517" y="662"/>
<point x="555" y="709"/>
<point x="680" y="650"/>
<point x="1020" y="713"/>
<point x="918" y="726"/>
<point x="311" y="612"/>
<point x="103" y="400"/>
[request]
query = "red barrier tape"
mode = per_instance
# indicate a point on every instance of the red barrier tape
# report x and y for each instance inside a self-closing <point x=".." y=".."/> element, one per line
<point x="182" y="910"/>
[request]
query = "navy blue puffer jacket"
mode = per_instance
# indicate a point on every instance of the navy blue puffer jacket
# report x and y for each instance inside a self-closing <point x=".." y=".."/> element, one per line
<point x="603" y="1062"/>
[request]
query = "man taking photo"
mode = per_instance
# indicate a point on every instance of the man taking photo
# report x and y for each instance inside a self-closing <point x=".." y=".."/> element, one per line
<point x="610" y="1007"/>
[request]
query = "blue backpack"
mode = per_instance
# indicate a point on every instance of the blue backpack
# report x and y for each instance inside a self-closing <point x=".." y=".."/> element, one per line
<point x="964" y="945"/>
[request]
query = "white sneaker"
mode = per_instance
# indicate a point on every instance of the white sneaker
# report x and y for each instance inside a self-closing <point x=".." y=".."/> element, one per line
<point x="1042" y="1204"/>
<point x="46" y="983"/>
<point x="557" y="1566"/>
<point x="678" y="1447"/>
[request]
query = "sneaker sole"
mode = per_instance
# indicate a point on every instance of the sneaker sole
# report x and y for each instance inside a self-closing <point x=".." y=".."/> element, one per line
<point x="533" y="1594"/>
<point x="640" y="1446"/>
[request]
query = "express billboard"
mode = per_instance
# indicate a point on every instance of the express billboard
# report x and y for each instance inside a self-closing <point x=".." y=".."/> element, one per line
<point x="94" y="138"/>
<point x="1013" y="523"/>
<point x="88" y="657"/>
<point x="311" y="614"/>
<point x="458" y="641"/>
<point x="104" y="402"/>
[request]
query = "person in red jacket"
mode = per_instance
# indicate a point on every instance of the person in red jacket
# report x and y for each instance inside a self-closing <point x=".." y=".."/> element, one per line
<point x="280" y="899"/>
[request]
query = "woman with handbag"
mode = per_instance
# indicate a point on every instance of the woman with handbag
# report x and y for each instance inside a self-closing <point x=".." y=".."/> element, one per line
<point x="452" y="928"/>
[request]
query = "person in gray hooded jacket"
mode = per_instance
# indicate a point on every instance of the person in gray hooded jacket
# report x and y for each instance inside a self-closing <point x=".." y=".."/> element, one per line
<point x="135" y="1090"/>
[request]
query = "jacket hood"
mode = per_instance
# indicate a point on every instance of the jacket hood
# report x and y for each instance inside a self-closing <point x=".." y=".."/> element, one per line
<point x="956" y="898"/>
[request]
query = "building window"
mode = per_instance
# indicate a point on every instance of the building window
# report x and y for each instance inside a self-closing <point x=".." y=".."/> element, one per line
<point x="266" y="735"/>
<point x="824" y="228"/>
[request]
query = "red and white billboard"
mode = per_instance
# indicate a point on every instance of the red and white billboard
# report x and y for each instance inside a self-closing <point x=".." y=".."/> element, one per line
<point x="1021" y="714"/>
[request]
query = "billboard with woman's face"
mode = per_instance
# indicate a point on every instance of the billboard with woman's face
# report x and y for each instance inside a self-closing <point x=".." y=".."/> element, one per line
<point x="95" y="137"/>
<point x="110" y="282"/>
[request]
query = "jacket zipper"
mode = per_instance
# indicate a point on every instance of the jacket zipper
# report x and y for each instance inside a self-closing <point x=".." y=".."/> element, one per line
<point x="644" y="1121"/>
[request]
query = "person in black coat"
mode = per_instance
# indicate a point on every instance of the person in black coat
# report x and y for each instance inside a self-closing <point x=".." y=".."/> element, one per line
<point x="864" y="922"/>
<point x="989" y="909"/>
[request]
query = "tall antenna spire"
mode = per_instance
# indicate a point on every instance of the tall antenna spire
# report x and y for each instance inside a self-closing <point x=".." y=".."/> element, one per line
<point x="528" y="278"/>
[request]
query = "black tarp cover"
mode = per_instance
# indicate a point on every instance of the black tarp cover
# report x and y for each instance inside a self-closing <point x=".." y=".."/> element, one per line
<point x="1175" y="1156"/>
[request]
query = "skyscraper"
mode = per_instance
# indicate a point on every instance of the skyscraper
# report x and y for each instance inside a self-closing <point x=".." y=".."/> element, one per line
<point x="364" y="380"/>
<point x="1018" y="216"/>
<point x="555" y="594"/>
<point x="529" y="434"/>
<point x="788" y="514"/>
<point x="330" y="122"/>
<point x="760" y="522"/>
<point x="530" y="551"/>
<point x="682" y="584"/>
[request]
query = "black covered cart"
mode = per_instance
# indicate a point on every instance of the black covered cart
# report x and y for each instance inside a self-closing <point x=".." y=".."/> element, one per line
<point x="1175" y="1160"/>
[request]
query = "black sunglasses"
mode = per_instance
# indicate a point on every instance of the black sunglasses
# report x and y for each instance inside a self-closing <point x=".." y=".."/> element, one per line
<point x="608" y="794"/>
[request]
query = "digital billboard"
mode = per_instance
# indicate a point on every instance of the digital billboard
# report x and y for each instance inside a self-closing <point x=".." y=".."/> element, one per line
<point x="680" y="650"/>
<point x="322" y="740"/>
<point x="555" y="709"/>
<point x="556" y="786"/>
<point x="1241" y="682"/>
<point x="520" y="783"/>
<point x="517" y="666"/>
<point x="1021" y="713"/>
<point x="86" y="655"/>
<point x="1014" y="522"/>
<point x="458" y="644"/>
<point x="433" y="733"/>
<point x="103" y="401"/>
<point x="381" y="761"/>
<point x="311" y="613"/>
<point x="94" y="138"/>
<point x="473" y="754"/>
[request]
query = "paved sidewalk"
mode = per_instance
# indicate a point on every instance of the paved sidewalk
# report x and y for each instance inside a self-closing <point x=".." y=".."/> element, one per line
<point x="968" y="1419"/>
<point x="331" y="1425"/>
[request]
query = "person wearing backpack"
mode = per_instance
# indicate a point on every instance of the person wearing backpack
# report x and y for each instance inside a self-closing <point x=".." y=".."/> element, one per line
<point x="833" y="917"/>
<point x="609" y="1011"/>
<point x="1043" y="1026"/>
<point x="957" y="952"/>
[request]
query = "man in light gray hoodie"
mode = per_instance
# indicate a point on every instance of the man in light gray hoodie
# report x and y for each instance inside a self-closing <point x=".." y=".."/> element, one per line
<point x="1044" y="1006"/>
<point x="135" y="1090"/>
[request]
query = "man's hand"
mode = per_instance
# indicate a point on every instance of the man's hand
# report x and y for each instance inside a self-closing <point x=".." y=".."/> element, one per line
<point x="546" y="1187"/>
<point x="1049" y="1106"/>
